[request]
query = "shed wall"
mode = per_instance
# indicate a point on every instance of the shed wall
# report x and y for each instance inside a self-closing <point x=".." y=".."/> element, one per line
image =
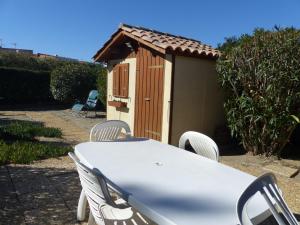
<point x="197" y="98"/>
<point x="124" y="114"/>
<point x="166" y="99"/>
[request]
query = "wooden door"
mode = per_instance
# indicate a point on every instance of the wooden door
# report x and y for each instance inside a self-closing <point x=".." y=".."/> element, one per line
<point x="149" y="94"/>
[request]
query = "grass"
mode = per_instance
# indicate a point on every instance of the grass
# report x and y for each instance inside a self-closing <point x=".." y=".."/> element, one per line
<point x="26" y="130"/>
<point x="18" y="143"/>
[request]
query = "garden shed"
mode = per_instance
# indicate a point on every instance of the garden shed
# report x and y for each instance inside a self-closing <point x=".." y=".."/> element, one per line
<point x="161" y="84"/>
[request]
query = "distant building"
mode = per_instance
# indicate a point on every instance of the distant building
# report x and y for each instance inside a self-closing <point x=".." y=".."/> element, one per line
<point x="46" y="56"/>
<point x="38" y="55"/>
<point x="16" y="50"/>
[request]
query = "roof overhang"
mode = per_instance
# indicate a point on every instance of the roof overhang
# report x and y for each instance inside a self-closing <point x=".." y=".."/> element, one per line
<point x="116" y="38"/>
<point x="129" y="32"/>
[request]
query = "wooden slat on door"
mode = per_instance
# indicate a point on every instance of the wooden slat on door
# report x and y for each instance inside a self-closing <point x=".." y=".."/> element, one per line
<point x="149" y="94"/>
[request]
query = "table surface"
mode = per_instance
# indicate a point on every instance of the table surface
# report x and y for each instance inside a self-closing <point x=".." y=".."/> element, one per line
<point x="171" y="185"/>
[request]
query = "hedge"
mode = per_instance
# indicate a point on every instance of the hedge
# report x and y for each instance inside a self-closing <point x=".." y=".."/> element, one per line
<point x="26" y="79"/>
<point x="260" y="74"/>
<point x="102" y="85"/>
<point x="21" y="85"/>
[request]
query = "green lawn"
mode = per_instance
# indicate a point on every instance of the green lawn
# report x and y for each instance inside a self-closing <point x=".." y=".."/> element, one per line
<point x="19" y="143"/>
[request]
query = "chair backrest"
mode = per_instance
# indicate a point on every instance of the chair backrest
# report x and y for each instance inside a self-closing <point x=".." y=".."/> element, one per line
<point x="95" y="188"/>
<point x="109" y="131"/>
<point x="92" y="99"/>
<point x="202" y="144"/>
<point x="266" y="185"/>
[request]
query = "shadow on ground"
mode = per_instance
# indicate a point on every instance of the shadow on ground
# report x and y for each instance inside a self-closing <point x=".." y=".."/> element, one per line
<point x="49" y="106"/>
<point x="31" y="195"/>
<point x="6" y="120"/>
<point x="33" y="107"/>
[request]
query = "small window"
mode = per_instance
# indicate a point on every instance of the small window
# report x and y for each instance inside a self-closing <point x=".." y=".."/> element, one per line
<point x="121" y="80"/>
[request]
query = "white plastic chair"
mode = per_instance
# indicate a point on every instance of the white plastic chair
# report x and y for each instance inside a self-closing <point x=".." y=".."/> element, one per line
<point x="266" y="185"/>
<point x="109" y="131"/>
<point x="202" y="144"/>
<point x="102" y="207"/>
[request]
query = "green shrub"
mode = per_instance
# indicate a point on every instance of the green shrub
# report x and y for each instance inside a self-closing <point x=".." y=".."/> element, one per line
<point x="101" y="85"/>
<point x="26" y="152"/>
<point x="72" y="82"/>
<point x="20" y="85"/>
<point x="26" y="130"/>
<point x="261" y="77"/>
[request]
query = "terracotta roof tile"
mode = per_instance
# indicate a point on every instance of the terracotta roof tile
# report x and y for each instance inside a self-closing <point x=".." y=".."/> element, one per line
<point x="164" y="42"/>
<point x="171" y="42"/>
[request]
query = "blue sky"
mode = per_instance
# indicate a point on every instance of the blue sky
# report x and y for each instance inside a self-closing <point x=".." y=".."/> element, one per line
<point x="78" y="28"/>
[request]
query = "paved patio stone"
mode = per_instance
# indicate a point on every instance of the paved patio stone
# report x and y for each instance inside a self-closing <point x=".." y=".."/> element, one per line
<point x="49" y="215"/>
<point x="289" y="186"/>
<point x="10" y="210"/>
<point x="45" y="198"/>
<point x="282" y="170"/>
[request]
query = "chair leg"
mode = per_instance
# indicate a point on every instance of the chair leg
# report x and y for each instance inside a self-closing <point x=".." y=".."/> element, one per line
<point x="91" y="220"/>
<point x="82" y="204"/>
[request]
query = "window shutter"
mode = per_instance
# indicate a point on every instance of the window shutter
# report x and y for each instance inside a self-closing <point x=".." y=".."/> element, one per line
<point x="116" y="80"/>
<point x="121" y="80"/>
<point x="124" y="80"/>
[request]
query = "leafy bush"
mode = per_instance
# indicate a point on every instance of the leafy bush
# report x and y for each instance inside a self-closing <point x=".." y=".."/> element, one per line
<point x="25" y="130"/>
<point x="26" y="152"/>
<point x="72" y="82"/>
<point x="102" y="85"/>
<point x="261" y="76"/>
<point x="20" y="85"/>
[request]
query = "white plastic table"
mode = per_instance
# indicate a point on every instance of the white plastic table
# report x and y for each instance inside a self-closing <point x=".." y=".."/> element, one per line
<point x="170" y="185"/>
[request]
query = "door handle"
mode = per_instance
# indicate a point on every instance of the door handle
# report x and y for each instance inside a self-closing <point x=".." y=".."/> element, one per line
<point x="147" y="99"/>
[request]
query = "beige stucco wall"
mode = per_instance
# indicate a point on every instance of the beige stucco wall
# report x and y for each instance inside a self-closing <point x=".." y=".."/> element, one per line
<point x="124" y="114"/>
<point x="166" y="98"/>
<point x="198" y="102"/>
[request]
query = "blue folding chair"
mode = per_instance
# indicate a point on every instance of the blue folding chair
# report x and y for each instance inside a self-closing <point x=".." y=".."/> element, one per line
<point x="90" y="104"/>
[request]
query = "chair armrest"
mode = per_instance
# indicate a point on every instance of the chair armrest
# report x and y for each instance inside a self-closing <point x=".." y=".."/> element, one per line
<point x="122" y="204"/>
<point x="128" y="135"/>
<point x="105" y="191"/>
<point x="115" y="194"/>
